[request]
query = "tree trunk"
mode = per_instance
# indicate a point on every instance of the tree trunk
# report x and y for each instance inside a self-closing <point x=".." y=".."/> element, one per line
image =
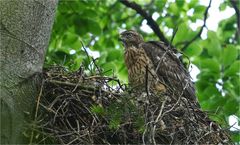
<point x="25" y="27"/>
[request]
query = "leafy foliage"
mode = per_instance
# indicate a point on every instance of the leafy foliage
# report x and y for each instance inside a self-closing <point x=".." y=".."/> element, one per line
<point x="96" y="25"/>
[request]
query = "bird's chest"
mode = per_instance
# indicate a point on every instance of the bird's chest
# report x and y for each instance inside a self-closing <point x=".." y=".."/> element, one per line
<point x="139" y="67"/>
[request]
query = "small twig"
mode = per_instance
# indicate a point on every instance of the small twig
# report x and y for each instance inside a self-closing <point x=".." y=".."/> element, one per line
<point x="81" y="86"/>
<point x="64" y="60"/>
<point x="160" y="60"/>
<point x="146" y="81"/>
<point x="95" y="64"/>
<point x="143" y="135"/>
<point x="157" y="119"/>
<point x="79" y="80"/>
<point x="173" y="36"/>
<point x="55" y="100"/>
<point x="235" y="4"/>
<point x="179" y="98"/>
<point x="161" y="110"/>
<point x="36" y="111"/>
<point x="71" y="142"/>
<point x="102" y="78"/>
<point x="187" y="43"/>
<point x="89" y="59"/>
<point x="154" y="26"/>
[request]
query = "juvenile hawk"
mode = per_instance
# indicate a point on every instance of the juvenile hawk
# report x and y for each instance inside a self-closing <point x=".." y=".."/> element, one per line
<point x="154" y="64"/>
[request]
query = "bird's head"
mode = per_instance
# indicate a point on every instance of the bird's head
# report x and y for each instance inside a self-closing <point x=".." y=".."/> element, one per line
<point x="130" y="38"/>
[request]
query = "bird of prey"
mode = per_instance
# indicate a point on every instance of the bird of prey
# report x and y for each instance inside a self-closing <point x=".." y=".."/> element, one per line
<point x="155" y="65"/>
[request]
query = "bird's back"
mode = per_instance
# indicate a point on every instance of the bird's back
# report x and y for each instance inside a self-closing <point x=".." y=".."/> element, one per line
<point x="169" y="69"/>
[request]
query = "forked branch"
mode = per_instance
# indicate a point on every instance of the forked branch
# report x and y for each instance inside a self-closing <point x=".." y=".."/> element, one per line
<point x="187" y="43"/>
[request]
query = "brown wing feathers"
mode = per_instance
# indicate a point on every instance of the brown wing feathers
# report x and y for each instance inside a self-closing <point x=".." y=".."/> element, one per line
<point x="169" y="69"/>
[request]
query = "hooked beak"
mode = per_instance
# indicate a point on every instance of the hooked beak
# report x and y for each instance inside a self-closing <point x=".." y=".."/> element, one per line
<point x="120" y="38"/>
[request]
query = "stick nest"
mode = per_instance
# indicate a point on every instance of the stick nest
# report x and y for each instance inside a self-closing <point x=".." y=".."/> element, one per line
<point x="75" y="108"/>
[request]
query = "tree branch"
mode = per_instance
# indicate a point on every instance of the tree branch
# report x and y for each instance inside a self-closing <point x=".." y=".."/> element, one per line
<point x="236" y="8"/>
<point x="148" y="17"/>
<point x="187" y="43"/>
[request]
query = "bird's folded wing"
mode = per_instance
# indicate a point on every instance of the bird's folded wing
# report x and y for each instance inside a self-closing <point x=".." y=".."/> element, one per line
<point x="169" y="68"/>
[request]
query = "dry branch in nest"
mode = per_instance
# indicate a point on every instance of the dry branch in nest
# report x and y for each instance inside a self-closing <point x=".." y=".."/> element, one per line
<point x="78" y="109"/>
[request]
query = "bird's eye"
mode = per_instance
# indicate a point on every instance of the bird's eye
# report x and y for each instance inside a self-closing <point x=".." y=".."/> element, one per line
<point x="129" y="35"/>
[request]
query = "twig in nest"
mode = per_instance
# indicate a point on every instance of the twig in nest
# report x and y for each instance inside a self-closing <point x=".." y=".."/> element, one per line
<point x="81" y="86"/>
<point x="89" y="58"/>
<point x="102" y="78"/>
<point x="36" y="111"/>
<point x="157" y="119"/>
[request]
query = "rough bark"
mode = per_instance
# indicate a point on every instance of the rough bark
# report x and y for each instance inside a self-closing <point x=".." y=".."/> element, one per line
<point x="25" y="27"/>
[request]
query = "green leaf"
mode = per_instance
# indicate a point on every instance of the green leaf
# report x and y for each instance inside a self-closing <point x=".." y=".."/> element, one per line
<point x="98" y="45"/>
<point x="84" y="25"/>
<point x="180" y="3"/>
<point x="197" y="16"/>
<point x="231" y="106"/>
<point x="229" y="24"/>
<point x="77" y="63"/>
<point x="94" y="27"/>
<point x="230" y="54"/>
<point x="69" y="39"/>
<point x="192" y="3"/>
<point x="193" y="49"/>
<point x="160" y="5"/>
<point x="223" y="6"/>
<point x="89" y="13"/>
<point x="213" y="44"/>
<point x="109" y="68"/>
<point x="232" y="88"/>
<point x="102" y="59"/>
<point x="201" y="85"/>
<point x="209" y="75"/>
<point x="168" y="22"/>
<point x="236" y="90"/>
<point x="123" y="74"/>
<point x="208" y="96"/>
<point x="61" y="54"/>
<point x="233" y="69"/>
<point x="113" y="55"/>
<point x="211" y="65"/>
<point x="182" y="33"/>
<point x="174" y="9"/>
<point x="235" y="137"/>
<point x="80" y="26"/>
<point x="199" y="9"/>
